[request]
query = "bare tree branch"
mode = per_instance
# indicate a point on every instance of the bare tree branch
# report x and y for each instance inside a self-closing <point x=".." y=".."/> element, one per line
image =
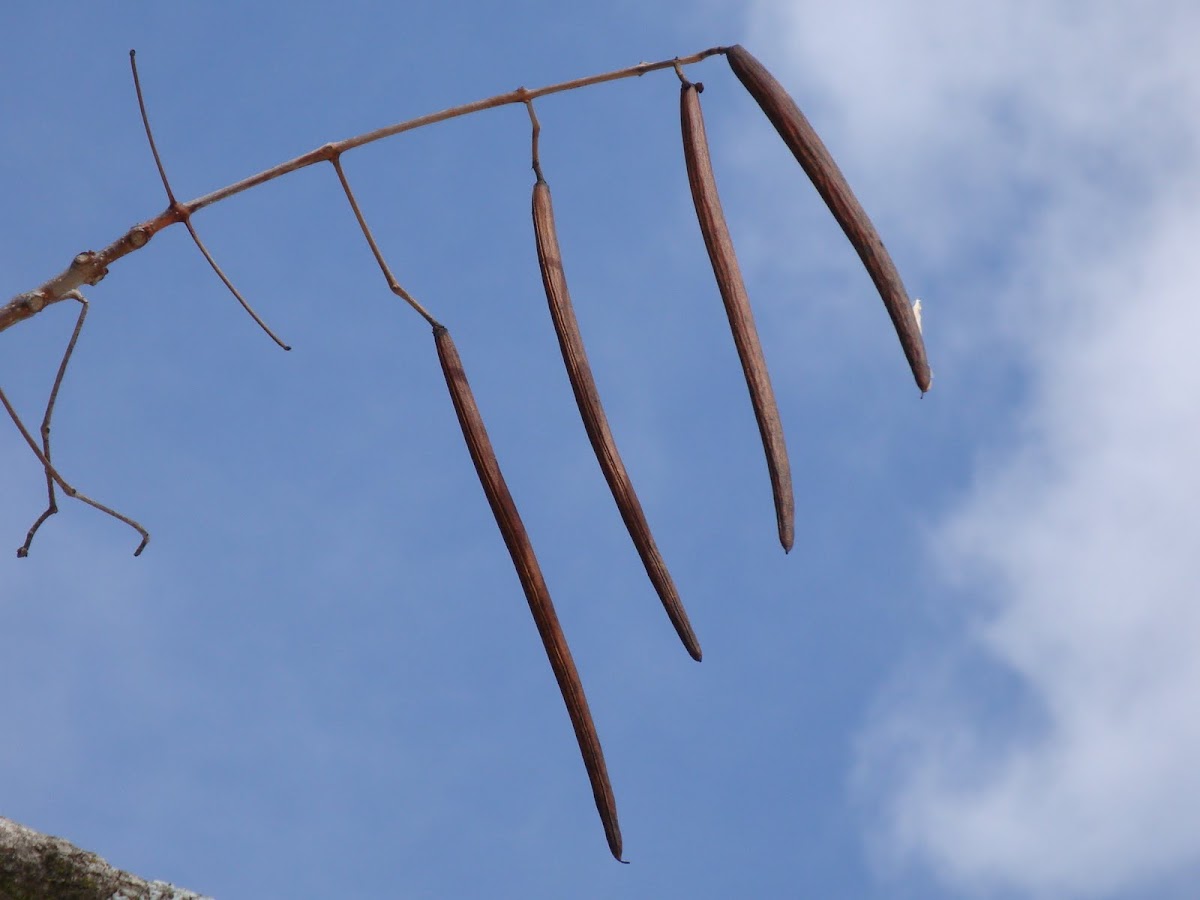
<point x="91" y="266"/>
<point x="35" y="865"/>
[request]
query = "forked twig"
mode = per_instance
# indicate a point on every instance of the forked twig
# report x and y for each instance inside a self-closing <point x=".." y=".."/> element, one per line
<point x="43" y="454"/>
<point x="536" y="593"/>
<point x="185" y="214"/>
<point x="737" y="306"/>
<point x="51" y="502"/>
<point x="587" y="398"/>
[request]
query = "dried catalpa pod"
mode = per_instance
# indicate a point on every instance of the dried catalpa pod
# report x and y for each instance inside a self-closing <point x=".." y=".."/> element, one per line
<point x="530" y="573"/>
<point x="831" y="184"/>
<point x="595" y="422"/>
<point x="737" y="307"/>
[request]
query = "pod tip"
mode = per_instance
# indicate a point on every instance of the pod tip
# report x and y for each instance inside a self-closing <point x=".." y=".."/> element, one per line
<point x="787" y="537"/>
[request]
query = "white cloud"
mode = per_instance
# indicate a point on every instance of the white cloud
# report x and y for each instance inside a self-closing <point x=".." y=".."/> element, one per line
<point x="1083" y="544"/>
<point x="1078" y="540"/>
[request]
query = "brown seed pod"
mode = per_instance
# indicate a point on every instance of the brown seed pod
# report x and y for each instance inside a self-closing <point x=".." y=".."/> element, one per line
<point x="587" y="397"/>
<point x="530" y="573"/>
<point x="831" y="184"/>
<point x="737" y="307"/>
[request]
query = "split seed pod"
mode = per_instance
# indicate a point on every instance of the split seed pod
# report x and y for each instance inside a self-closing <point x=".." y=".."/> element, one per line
<point x="737" y="307"/>
<point x="831" y="184"/>
<point x="587" y="397"/>
<point x="530" y="573"/>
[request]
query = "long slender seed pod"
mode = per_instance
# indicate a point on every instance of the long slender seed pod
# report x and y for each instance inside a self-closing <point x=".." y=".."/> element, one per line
<point x="587" y="397"/>
<point x="530" y="573"/>
<point x="737" y="307"/>
<point x="831" y="184"/>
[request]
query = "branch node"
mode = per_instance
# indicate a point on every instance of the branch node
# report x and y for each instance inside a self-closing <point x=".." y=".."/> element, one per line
<point x="139" y="237"/>
<point x="181" y="213"/>
<point x="86" y="261"/>
<point x="34" y="301"/>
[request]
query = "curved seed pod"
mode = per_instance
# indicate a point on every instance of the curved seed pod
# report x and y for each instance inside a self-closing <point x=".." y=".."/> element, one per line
<point x="831" y="184"/>
<point x="536" y="592"/>
<point x="737" y="307"/>
<point x="570" y="341"/>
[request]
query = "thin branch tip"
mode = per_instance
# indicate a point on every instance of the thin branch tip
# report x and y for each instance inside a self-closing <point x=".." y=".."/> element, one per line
<point x="187" y="223"/>
<point x="137" y="86"/>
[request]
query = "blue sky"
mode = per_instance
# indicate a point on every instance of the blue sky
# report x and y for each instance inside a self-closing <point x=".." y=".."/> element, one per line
<point x="975" y="674"/>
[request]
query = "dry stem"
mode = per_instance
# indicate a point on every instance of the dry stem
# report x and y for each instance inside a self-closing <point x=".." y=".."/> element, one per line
<point x="43" y="453"/>
<point x="187" y="216"/>
<point x="395" y="286"/>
